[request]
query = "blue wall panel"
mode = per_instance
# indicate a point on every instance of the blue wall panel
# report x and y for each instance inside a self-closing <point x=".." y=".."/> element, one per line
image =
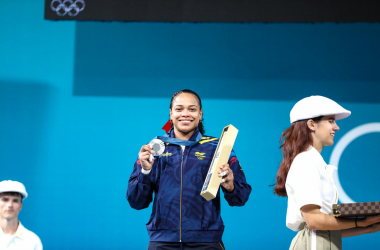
<point x="77" y="101"/>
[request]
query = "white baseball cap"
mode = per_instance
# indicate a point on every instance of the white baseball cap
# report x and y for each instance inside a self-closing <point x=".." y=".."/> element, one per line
<point x="315" y="106"/>
<point x="13" y="186"/>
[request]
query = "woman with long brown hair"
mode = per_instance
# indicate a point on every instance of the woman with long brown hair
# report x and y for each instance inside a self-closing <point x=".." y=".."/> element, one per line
<point x="305" y="178"/>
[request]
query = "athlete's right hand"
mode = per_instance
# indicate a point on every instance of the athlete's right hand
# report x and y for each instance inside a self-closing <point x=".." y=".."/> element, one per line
<point x="144" y="155"/>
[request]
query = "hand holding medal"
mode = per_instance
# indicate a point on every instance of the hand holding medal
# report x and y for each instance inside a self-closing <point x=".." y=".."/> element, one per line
<point x="147" y="152"/>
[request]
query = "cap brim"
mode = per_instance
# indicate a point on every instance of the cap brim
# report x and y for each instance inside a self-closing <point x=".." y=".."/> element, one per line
<point x="338" y="116"/>
<point x="24" y="195"/>
<point x="342" y="115"/>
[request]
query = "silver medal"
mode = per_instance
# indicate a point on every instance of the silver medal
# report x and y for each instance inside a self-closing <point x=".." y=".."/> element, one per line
<point x="158" y="148"/>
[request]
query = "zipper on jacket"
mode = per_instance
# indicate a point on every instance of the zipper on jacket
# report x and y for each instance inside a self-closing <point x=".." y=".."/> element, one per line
<point x="180" y="202"/>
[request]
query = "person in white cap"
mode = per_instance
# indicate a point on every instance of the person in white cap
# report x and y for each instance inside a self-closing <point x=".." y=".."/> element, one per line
<point x="13" y="235"/>
<point x="306" y="179"/>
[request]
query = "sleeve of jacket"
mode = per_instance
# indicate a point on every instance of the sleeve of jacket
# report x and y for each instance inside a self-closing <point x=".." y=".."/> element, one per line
<point x="240" y="195"/>
<point x="140" y="187"/>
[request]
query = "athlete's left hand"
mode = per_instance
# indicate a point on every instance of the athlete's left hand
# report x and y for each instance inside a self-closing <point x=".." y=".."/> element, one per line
<point x="228" y="176"/>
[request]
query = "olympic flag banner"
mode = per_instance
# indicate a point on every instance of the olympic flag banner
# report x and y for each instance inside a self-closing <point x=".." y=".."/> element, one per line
<point x="214" y="10"/>
<point x="70" y="8"/>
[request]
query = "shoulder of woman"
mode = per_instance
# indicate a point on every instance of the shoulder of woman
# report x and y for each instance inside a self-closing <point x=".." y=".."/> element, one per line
<point x="304" y="160"/>
<point x="209" y="139"/>
<point x="308" y="155"/>
<point x="302" y="157"/>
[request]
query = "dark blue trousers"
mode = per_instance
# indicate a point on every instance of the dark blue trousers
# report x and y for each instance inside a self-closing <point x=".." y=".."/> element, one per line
<point x="158" y="245"/>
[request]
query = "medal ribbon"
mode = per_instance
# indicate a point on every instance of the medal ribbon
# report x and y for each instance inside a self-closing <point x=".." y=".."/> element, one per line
<point x="165" y="138"/>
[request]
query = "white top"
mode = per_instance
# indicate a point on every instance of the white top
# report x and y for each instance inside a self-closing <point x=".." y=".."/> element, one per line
<point x="22" y="239"/>
<point x="309" y="181"/>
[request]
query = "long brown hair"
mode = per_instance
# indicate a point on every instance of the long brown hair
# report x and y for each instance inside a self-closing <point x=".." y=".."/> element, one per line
<point x="294" y="140"/>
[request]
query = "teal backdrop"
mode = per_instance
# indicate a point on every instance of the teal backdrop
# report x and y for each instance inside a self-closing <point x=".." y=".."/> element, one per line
<point x="79" y="99"/>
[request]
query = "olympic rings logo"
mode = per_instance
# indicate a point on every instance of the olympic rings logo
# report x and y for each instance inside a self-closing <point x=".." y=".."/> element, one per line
<point x="70" y="7"/>
<point x="339" y="148"/>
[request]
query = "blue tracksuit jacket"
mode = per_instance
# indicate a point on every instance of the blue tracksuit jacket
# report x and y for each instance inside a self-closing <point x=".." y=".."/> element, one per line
<point x="180" y="213"/>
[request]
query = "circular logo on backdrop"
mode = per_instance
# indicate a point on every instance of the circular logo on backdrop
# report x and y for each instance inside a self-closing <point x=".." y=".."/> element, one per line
<point x="340" y="147"/>
<point x="70" y="7"/>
